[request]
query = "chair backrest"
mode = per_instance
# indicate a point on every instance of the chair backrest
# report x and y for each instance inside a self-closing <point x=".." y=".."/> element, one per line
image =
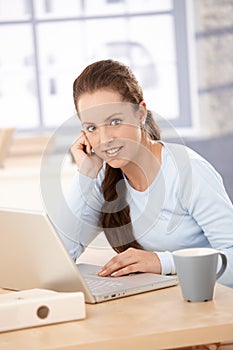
<point x="6" y="136"/>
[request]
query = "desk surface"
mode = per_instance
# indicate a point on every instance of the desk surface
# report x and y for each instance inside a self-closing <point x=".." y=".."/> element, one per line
<point x="153" y="320"/>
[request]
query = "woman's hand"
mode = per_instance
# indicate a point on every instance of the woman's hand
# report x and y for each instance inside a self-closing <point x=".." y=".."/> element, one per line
<point x="87" y="161"/>
<point x="130" y="261"/>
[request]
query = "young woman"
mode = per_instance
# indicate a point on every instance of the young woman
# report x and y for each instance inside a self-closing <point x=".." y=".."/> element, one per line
<point x="148" y="196"/>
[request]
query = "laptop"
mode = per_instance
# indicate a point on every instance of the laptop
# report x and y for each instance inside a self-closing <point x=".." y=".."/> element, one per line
<point x="32" y="255"/>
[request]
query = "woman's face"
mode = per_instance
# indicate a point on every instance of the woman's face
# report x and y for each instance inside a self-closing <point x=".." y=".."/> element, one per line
<point x="111" y="126"/>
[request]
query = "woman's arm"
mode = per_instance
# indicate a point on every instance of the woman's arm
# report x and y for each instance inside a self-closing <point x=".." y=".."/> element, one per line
<point x="78" y="219"/>
<point x="204" y="197"/>
<point x="211" y="207"/>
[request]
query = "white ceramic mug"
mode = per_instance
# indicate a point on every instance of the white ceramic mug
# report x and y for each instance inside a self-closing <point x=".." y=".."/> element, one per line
<point x="197" y="272"/>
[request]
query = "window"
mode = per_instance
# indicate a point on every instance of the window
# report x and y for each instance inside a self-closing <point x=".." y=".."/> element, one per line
<point x="45" y="44"/>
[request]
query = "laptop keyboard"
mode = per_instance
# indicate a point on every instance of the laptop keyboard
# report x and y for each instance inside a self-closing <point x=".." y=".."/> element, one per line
<point x="96" y="284"/>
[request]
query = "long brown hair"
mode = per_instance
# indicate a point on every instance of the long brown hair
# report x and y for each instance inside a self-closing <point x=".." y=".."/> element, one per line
<point x="115" y="215"/>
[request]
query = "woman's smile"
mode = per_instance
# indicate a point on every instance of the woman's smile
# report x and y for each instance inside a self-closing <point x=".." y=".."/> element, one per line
<point x="113" y="151"/>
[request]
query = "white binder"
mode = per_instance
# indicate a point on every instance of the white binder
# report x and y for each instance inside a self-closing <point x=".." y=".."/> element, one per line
<point x="38" y="307"/>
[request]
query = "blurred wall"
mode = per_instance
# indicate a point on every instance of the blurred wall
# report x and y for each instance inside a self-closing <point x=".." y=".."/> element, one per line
<point x="214" y="47"/>
<point x="214" y="54"/>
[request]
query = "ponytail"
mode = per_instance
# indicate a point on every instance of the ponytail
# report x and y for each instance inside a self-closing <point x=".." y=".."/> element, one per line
<point x="115" y="215"/>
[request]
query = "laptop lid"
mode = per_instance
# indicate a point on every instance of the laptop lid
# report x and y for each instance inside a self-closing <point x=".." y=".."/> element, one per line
<point x="33" y="256"/>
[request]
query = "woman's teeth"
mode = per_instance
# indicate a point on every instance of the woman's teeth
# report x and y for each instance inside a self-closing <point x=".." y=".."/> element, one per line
<point x="113" y="150"/>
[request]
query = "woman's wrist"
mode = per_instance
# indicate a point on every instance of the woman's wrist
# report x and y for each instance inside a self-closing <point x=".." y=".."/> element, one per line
<point x="90" y="172"/>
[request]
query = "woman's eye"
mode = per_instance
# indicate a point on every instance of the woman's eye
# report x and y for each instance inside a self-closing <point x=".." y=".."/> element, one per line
<point x="91" y="128"/>
<point x="115" y="122"/>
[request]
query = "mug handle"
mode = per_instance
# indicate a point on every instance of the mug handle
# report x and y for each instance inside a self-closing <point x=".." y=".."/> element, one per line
<point x="224" y="265"/>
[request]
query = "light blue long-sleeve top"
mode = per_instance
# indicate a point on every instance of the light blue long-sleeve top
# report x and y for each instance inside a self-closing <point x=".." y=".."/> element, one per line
<point x="186" y="206"/>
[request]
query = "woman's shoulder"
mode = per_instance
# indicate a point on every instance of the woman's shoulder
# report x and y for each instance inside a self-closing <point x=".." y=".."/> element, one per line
<point x="184" y="155"/>
<point x="187" y="161"/>
<point x="181" y="150"/>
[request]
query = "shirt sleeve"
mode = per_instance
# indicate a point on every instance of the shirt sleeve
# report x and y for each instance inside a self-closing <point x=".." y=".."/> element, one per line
<point x="78" y="221"/>
<point x="212" y="209"/>
<point x="167" y="262"/>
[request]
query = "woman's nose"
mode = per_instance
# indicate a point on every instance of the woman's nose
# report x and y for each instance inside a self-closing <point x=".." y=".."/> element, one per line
<point x="105" y="134"/>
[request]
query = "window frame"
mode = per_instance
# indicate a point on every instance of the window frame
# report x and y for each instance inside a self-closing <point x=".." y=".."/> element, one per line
<point x="181" y="35"/>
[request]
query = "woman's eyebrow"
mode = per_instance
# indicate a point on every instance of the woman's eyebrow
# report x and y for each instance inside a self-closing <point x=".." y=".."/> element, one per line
<point x="106" y="120"/>
<point x="113" y="115"/>
<point x="87" y="123"/>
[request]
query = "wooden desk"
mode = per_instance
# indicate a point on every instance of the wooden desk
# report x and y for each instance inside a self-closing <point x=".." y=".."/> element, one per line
<point x="153" y="320"/>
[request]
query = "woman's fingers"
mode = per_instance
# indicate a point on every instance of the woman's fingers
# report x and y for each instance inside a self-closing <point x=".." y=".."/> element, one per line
<point x="117" y="263"/>
<point x="127" y="270"/>
<point x="81" y="144"/>
<point x="130" y="261"/>
<point x="88" y="147"/>
<point x="87" y="163"/>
